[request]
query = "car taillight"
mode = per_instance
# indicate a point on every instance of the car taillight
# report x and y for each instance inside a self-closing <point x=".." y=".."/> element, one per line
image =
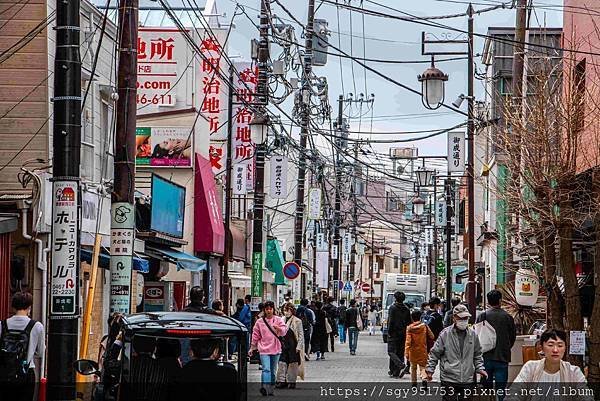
<point x="184" y="332"/>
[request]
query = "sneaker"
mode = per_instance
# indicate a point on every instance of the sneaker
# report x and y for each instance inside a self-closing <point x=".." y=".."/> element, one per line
<point x="263" y="391"/>
<point x="322" y="357"/>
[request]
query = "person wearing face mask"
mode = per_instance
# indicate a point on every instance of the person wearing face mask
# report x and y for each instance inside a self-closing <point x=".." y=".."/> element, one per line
<point x="458" y="352"/>
<point x="292" y="352"/>
<point x="549" y="371"/>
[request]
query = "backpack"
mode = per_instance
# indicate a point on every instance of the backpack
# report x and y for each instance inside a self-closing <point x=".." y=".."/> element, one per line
<point x="486" y="335"/>
<point x="342" y="314"/>
<point x="305" y="322"/>
<point x="14" y="345"/>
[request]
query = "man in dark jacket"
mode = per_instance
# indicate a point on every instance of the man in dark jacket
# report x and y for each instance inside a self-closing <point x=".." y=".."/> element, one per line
<point x="448" y="315"/>
<point x="434" y="318"/>
<point x="197" y="304"/>
<point x="331" y="313"/>
<point x="351" y="315"/>
<point x="398" y="320"/>
<point x="341" y="323"/>
<point x="496" y="360"/>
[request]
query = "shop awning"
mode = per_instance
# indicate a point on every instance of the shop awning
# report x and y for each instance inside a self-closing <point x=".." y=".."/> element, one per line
<point x="274" y="261"/>
<point x="139" y="264"/>
<point x="240" y="280"/>
<point x="8" y="222"/>
<point x="209" y="231"/>
<point x="183" y="260"/>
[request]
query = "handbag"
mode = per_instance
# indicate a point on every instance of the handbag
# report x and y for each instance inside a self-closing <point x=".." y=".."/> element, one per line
<point x="359" y="322"/>
<point x="486" y="335"/>
<point x="328" y="328"/>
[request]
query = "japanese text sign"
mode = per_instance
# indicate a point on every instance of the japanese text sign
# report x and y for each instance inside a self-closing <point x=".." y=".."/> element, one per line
<point x="239" y="179"/>
<point x="456" y="151"/>
<point x="65" y="249"/>
<point x="314" y="204"/>
<point x="244" y="89"/>
<point x="162" y="66"/>
<point x="279" y="169"/>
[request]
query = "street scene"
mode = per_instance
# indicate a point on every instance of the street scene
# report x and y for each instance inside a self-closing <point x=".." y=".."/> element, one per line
<point x="299" y="199"/>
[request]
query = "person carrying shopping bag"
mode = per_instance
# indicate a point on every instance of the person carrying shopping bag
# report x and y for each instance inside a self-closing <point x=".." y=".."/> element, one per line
<point x="291" y="363"/>
<point x="266" y="339"/>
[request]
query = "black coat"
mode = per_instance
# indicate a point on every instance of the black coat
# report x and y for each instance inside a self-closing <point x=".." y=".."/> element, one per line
<point x="319" y="339"/>
<point x="506" y="333"/>
<point x="351" y="316"/>
<point x="398" y="321"/>
<point x="435" y="323"/>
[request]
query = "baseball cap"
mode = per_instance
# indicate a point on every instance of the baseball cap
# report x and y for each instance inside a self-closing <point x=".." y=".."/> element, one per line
<point x="461" y="311"/>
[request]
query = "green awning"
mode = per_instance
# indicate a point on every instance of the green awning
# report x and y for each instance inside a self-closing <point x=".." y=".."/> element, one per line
<point x="274" y="261"/>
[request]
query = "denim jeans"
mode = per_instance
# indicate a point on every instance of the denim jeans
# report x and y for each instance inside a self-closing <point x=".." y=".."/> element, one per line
<point x="353" y="338"/>
<point x="497" y="372"/>
<point x="342" y="332"/>
<point x="269" y="368"/>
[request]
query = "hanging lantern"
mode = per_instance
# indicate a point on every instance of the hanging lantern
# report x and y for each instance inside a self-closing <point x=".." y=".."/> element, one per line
<point x="527" y="286"/>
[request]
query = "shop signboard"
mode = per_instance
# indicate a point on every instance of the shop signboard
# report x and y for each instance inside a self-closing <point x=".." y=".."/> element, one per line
<point x="65" y="249"/>
<point x="163" y="69"/>
<point x="163" y="146"/>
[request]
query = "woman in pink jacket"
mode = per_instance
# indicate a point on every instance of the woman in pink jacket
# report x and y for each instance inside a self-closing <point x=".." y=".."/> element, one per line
<point x="265" y="339"/>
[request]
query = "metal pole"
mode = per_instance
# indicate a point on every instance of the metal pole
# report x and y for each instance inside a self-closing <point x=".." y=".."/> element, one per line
<point x="259" y="190"/>
<point x="352" y="266"/>
<point x="306" y="91"/>
<point x="435" y="240"/>
<point x="338" y="199"/>
<point x="122" y="208"/>
<point x="470" y="170"/>
<point x="448" y="241"/>
<point x="63" y="324"/>
<point x="372" y="260"/>
<point x="228" y="251"/>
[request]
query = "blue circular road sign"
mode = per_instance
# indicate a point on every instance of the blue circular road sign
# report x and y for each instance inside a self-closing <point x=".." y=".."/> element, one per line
<point x="291" y="270"/>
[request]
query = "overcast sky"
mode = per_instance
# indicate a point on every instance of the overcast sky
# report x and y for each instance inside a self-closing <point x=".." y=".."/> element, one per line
<point x="395" y="109"/>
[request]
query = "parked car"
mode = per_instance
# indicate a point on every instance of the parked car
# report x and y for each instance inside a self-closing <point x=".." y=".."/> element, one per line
<point x="158" y="372"/>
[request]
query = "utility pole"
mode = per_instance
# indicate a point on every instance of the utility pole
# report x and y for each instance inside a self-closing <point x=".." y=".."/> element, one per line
<point x="305" y="98"/>
<point x="63" y="323"/>
<point x="122" y="208"/>
<point x="471" y="285"/>
<point x="338" y="198"/>
<point x="352" y="267"/>
<point x="448" y="185"/>
<point x="228" y="251"/>
<point x="262" y="95"/>
<point x="372" y="270"/>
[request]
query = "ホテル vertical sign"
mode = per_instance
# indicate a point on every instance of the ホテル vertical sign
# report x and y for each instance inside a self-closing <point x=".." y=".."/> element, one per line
<point x="65" y="255"/>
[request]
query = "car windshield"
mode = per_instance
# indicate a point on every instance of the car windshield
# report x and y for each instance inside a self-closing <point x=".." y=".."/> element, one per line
<point x="159" y="364"/>
<point x="412" y="300"/>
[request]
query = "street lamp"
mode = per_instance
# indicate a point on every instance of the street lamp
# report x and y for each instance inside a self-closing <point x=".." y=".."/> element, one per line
<point x="432" y="87"/>
<point x="416" y="225"/>
<point x="424" y="177"/>
<point x="418" y="205"/>
<point x="259" y="127"/>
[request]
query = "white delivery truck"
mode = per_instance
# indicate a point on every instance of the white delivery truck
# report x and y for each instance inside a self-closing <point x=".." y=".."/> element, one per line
<point x="416" y="287"/>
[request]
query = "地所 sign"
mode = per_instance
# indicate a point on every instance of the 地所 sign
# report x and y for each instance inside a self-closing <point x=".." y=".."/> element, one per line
<point x="291" y="270"/>
<point x="243" y="147"/>
<point x="162" y="61"/>
<point x="65" y="249"/>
